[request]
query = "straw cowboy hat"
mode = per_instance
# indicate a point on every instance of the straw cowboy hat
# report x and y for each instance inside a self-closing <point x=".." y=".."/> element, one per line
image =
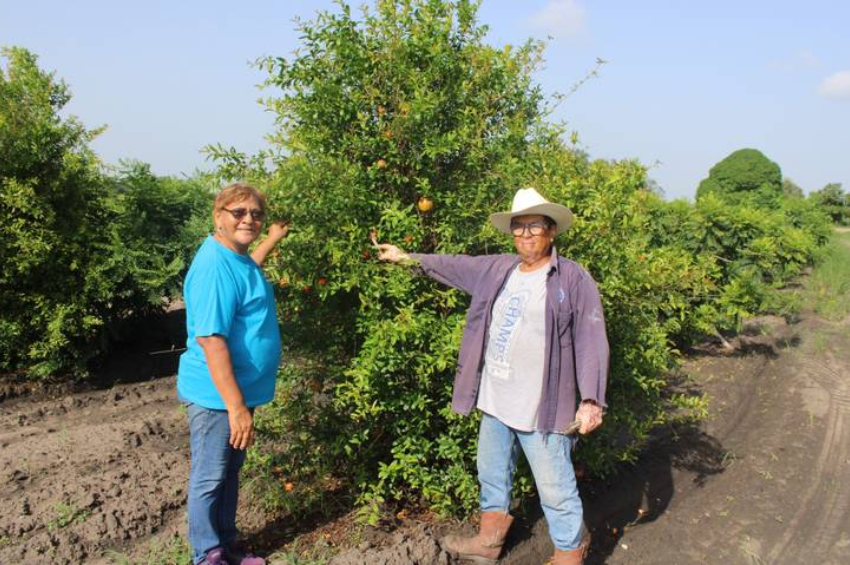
<point x="528" y="201"/>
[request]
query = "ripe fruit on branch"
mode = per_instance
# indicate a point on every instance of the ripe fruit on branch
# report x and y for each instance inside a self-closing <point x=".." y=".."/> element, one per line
<point x="322" y="281"/>
<point x="381" y="163"/>
<point x="425" y="204"/>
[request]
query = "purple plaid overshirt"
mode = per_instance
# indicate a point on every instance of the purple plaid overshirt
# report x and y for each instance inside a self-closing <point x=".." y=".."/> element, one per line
<point x="576" y="350"/>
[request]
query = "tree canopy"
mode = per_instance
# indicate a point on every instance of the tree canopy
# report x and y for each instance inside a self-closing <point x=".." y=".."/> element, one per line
<point x="745" y="175"/>
<point x="834" y="202"/>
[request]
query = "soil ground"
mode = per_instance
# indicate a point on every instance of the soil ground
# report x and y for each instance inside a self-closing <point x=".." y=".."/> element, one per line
<point x="765" y="479"/>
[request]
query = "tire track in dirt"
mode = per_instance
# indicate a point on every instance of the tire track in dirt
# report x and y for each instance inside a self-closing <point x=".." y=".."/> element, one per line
<point x="820" y="524"/>
<point x="781" y="412"/>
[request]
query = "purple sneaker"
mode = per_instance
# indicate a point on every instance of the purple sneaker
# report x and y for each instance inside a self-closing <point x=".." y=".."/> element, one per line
<point x="215" y="556"/>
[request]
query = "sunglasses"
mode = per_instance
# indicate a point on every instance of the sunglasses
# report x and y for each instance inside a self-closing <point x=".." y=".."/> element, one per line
<point x="534" y="228"/>
<point x="239" y="213"/>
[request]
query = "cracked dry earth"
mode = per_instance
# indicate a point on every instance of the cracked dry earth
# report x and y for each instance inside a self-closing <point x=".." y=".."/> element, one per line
<point x="764" y="480"/>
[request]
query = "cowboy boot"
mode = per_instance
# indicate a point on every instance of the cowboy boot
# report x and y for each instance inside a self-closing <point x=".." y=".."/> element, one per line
<point x="485" y="547"/>
<point x="573" y="556"/>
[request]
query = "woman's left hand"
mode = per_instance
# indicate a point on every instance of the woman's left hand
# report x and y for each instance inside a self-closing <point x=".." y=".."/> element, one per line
<point x="278" y="230"/>
<point x="590" y="415"/>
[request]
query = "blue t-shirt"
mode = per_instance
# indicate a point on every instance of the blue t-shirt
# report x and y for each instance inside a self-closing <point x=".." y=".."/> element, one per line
<point x="226" y="294"/>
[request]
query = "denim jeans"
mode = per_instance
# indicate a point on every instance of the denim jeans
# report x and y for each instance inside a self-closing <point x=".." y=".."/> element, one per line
<point x="213" y="481"/>
<point x="548" y="456"/>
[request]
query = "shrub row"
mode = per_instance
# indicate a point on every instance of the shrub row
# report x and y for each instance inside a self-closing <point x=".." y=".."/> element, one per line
<point x="82" y="248"/>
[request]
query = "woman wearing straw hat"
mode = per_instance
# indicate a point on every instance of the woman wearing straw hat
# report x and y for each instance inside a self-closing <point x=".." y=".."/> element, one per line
<point x="534" y="360"/>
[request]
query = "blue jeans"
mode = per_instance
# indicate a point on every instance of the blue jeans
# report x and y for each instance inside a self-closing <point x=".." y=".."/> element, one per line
<point x="548" y="456"/>
<point x="213" y="481"/>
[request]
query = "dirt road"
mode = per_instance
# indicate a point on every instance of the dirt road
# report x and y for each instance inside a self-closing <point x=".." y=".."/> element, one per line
<point x="765" y="480"/>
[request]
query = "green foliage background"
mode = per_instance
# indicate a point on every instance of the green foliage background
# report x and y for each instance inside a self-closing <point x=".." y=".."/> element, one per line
<point x="374" y="112"/>
<point x="81" y="249"/>
<point x="409" y="101"/>
<point x="832" y="200"/>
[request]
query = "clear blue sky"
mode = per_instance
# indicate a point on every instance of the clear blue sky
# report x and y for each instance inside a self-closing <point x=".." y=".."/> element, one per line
<point x="686" y="84"/>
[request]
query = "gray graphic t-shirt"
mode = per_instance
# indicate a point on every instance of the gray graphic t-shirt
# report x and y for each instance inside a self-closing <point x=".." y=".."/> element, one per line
<point x="512" y="378"/>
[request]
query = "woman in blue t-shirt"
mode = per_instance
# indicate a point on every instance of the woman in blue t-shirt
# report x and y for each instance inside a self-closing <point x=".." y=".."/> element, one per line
<point x="229" y="367"/>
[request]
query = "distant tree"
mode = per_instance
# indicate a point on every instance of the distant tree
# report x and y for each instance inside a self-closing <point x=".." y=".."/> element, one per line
<point x="791" y="189"/>
<point x="744" y="176"/>
<point x="832" y="200"/>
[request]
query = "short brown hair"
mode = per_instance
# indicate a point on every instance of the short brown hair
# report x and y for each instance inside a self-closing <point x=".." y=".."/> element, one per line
<point x="237" y="192"/>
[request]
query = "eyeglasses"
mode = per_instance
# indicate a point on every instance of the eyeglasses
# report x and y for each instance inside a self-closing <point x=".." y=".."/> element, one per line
<point x="239" y="213"/>
<point x="534" y="228"/>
